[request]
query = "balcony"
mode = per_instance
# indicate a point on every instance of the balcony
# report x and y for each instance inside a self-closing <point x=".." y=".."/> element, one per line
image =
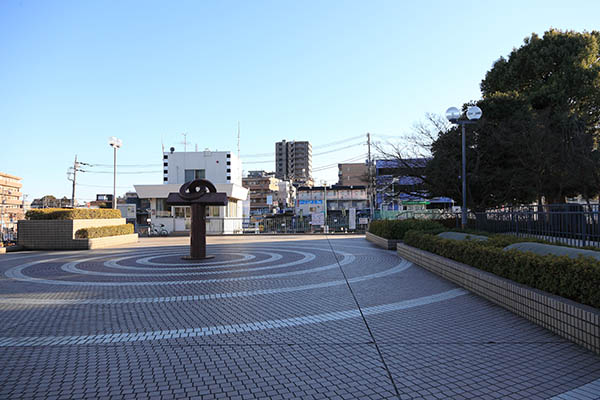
<point x="10" y="201"/>
<point x="10" y="183"/>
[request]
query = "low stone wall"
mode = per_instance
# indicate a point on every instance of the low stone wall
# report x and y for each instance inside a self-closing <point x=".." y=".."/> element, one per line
<point x="382" y="242"/>
<point x="58" y="234"/>
<point x="573" y="321"/>
<point x="110" y="241"/>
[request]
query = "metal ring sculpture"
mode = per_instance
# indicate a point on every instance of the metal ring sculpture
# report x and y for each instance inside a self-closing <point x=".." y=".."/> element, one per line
<point x="196" y="189"/>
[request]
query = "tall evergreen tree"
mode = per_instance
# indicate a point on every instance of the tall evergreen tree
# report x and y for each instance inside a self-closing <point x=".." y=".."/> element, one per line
<point x="540" y="129"/>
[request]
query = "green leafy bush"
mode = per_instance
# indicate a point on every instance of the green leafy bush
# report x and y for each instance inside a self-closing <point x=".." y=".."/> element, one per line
<point x="104" y="231"/>
<point x="575" y="279"/>
<point x="69" y="213"/>
<point x="395" y="230"/>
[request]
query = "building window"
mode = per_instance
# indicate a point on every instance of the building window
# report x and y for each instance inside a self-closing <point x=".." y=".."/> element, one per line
<point x="232" y="208"/>
<point x="228" y="162"/>
<point x="165" y="179"/>
<point x="165" y="157"/>
<point x="228" y="155"/>
<point x="213" y="211"/>
<point x="162" y="209"/>
<point x="192" y="174"/>
<point x="228" y="169"/>
<point x="166" y="164"/>
<point x="228" y="178"/>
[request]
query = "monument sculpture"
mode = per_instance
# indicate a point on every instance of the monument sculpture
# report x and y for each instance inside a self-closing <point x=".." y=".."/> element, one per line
<point x="197" y="194"/>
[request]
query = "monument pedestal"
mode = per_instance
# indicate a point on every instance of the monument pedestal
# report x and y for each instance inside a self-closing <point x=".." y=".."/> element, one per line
<point x="198" y="234"/>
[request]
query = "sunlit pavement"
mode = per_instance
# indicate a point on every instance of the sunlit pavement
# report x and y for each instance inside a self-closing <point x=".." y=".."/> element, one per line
<point x="268" y="317"/>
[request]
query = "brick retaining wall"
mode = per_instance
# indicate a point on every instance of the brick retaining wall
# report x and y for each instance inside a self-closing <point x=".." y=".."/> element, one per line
<point x="573" y="321"/>
<point x="58" y="234"/>
<point x="382" y="242"/>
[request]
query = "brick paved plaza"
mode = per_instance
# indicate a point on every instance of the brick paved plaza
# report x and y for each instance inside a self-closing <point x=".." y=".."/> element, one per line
<point x="268" y="317"/>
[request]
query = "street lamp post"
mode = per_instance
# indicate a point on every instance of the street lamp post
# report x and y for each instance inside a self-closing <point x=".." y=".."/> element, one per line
<point x="325" y="227"/>
<point x="453" y="115"/>
<point x="115" y="143"/>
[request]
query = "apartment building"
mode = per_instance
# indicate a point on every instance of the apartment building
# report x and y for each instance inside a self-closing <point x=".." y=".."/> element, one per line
<point x="263" y="192"/>
<point x="335" y="198"/>
<point x="353" y="174"/>
<point x="293" y="161"/>
<point x="11" y="204"/>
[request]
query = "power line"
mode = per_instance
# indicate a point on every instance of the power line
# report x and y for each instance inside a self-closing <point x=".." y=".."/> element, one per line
<point x="322" y="146"/>
<point x="124" y="173"/>
<point x="337" y="142"/>
<point x="313" y="155"/>
<point x="338" y="149"/>
<point x="124" y="165"/>
<point x="257" y="155"/>
<point x="103" y="186"/>
<point x="261" y="162"/>
<point x="334" y="165"/>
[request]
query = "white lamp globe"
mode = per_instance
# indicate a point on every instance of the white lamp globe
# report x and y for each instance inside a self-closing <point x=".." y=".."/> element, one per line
<point x="474" y="113"/>
<point x="453" y="114"/>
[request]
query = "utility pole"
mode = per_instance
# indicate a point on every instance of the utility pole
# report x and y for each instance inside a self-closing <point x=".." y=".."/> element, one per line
<point x="75" y="167"/>
<point x="369" y="170"/>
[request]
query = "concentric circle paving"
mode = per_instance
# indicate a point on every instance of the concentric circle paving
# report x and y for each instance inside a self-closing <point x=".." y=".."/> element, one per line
<point x="263" y="319"/>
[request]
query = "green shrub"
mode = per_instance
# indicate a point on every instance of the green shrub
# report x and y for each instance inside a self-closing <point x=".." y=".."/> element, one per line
<point x="69" y="213"/>
<point x="575" y="279"/>
<point x="104" y="231"/>
<point x="395" y="230"/>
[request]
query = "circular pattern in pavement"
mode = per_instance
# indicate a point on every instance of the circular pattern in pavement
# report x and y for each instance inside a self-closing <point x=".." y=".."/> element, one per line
<point x="280" y="266"/>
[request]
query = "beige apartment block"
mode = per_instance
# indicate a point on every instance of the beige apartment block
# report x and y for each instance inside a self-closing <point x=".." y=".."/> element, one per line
<point x="353" y="174"/>
<point x="11" y="202"/>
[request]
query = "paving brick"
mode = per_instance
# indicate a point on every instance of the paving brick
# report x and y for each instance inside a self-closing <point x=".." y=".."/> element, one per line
<point x="267" y="319"/>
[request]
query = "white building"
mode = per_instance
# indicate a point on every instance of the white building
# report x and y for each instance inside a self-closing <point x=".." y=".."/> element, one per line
<point x="221" y="168"/>
<point x="216" y="166"/>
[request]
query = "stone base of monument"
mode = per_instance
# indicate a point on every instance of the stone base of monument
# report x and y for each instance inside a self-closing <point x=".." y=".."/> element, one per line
<point x="197" y="258"/>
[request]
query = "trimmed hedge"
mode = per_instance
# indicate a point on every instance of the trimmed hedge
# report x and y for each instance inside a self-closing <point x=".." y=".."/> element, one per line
<point x="70" y="213"/>
<point x="575" y="279"/>
<point x="395" y="229"/>
<point x="104" y="231"/>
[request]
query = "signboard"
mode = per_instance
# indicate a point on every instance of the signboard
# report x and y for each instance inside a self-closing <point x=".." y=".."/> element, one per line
<point x="317" y="219"/>
<point x="363" y="221"/>
<point x="127" y="210"/>
<point x="269" y="199"/>
<point x="310" y="201"/>
<point x="352" y="218"/>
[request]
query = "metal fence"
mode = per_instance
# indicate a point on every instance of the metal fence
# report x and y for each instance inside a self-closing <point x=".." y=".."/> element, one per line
<point x="416" y="214"/>
<point x="279" y="224"/>
<point x="300" y="224"/>
<point x="572" y="224"/>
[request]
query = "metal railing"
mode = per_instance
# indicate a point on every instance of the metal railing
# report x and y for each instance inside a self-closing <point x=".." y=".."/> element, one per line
<point x="575" y="225"/>
<point x="416" y="214"/>
<point x="571" y="224"/>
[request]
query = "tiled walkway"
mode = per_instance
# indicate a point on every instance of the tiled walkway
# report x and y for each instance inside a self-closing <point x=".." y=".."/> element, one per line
<point x="268" y="317"/>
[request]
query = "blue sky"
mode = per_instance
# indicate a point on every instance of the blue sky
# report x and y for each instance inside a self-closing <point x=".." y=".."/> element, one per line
<point x="73" y="73"/>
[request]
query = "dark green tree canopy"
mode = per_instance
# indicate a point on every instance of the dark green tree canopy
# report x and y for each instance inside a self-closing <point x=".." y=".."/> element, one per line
<point x="540" y="128"/>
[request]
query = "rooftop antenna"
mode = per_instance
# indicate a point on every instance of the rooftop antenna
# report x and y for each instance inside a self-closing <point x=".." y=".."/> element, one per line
<point x="238" y="140"/>
<point x="185" y="142"/>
